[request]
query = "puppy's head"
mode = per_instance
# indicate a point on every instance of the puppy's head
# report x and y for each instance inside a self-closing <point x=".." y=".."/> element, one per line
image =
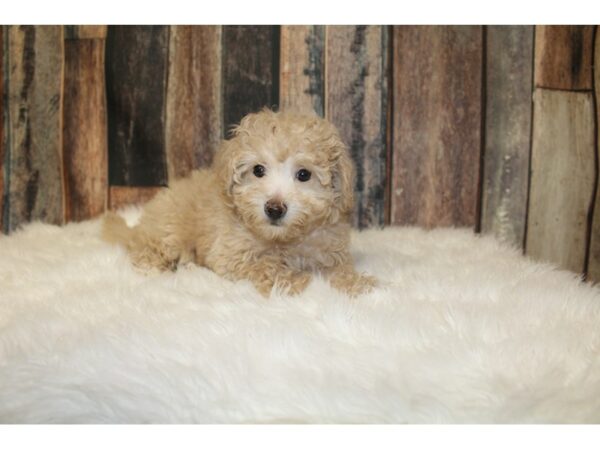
<point x="286" y="174"/>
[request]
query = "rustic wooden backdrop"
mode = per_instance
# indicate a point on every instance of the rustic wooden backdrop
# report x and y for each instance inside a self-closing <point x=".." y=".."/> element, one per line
<point x="489" y="127"/>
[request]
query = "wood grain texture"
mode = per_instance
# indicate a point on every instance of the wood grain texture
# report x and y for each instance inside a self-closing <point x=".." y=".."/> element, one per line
<point x="136" y="72"/>
<point x="563" y="56"/>
<point x="301" y="82"/>
<point x="85" y="141"/>
<point x="194" y="112"/>
<point x="356" y="102"/>
<point x="437" y="119"/>
<point x="121" y="196"/>
<point x="250" y="70"/>
<point x="3" y="167"/>
<point x="593" y="266"/>
<point x="85" y="31"/>
<point x="34" y="127"/>
<point x="507" y="132"/>
<point x="562" y="177"/>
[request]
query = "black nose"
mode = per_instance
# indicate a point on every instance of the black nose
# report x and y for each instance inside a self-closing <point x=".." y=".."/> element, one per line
<point x="275" y="209"/>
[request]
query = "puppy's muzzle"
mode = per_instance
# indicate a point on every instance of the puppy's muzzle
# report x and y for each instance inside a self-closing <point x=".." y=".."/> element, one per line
<point x="275" y="209"/>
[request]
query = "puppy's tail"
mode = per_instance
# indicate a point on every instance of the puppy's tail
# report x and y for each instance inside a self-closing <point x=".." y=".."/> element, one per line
<point x="115" y="229"/>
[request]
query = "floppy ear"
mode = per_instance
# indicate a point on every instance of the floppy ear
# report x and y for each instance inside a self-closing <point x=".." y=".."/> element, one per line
<point x="343" y="178"/>
<point x="229" y="164"/>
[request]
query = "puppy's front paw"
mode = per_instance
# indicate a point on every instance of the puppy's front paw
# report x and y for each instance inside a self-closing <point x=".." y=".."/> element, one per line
<point x="353" y="283"/>
<point x="292" y="282"/>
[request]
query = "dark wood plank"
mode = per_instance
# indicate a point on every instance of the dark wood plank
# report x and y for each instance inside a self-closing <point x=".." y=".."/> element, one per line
<point x="507" y="132"/>
<point x="85" y="31"/>
<point x="34" y="131"/>
<point x="356" y="95"/>
<point x="122" y="196"/>
<point x="593" y="264"/>
<point x="84" y="129"/>
<point x="437" y="125"/>
<point x="136" y="72"/>
<point x="194" y="113"/>
<point x="301" y="82"/>
<point x="563" y="56"/>
<point x="250" y="70"/>
<point x="563" y="171"/>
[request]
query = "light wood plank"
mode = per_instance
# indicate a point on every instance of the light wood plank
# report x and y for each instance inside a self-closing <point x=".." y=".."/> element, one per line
<point x="562" y="178"/>
<point x="593" y="268"/>
<point x="122" y="196"/>
<point x="34" y="127"/>
<point x="356" y="102"/>
<point x="194" y="112"/>
<point x="3" y="167"/>
<point x="301" y="86"/>
<point x="85" y="130"/>
<point x="563" y="56"/>
<point x="85" y="31"/>
<point x="437" y="125"/>
<point x="507" y="132"/>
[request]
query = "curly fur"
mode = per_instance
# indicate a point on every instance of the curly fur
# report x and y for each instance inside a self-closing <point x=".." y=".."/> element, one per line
<point x="215" y="217"/>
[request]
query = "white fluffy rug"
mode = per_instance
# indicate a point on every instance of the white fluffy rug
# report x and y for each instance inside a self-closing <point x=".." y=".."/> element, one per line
<point x="463" y="330"/>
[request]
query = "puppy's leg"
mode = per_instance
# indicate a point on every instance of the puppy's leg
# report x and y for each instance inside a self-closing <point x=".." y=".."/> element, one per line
<point x="269" y="273"/>
<point x="346" y="279"/>
<point x="152" y="253"/>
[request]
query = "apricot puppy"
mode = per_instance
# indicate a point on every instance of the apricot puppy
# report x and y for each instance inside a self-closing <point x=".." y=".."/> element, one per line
<point x="274" y="208"/>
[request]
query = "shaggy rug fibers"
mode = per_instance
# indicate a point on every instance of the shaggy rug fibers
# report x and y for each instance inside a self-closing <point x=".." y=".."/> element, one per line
<point x="462" y="329"/>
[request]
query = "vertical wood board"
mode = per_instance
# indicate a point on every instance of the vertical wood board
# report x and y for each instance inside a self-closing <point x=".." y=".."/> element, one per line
<point x="437" y="125"/>
<point x="250" y="71"/>
<point x="194" y="110"/>
<point x="593" y="266"/>
<point x="356" y="102"/>
<point x="35" y="58"/>
<point x="85" y="131"/>
<point x="3" y="167"/>
<point x="509" y="100"/>
<point x="136" y="72"/>
<point x="562" y="178"/>
<point x="563" y="56"/>
<point x="121" y="196"/>
<point x="85" y="31"/>
<point x="301" y="86"/>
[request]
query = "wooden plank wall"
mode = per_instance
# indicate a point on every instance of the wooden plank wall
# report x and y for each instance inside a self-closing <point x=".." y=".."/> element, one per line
<point x="564" y="155"/>
<point x="507" y="132"/>
<point x="85" y="150"/>
<point x="34" y="59"/>
<point x="488" y="127"/>
<point x="436" y="125"/>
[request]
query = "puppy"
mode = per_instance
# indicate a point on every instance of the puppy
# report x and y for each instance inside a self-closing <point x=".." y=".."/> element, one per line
<point x="274" y="208"/>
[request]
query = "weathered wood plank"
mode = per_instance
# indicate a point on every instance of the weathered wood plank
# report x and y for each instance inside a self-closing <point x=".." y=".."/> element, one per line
<point x="593" y="266"/>
<point x="3" y="167"/>
<point x="507" y="132"/>
<point x="34" y="90"/>
<point x="121" y="196"/>
<point x="85" y="31"/>
<point x="563" y="56"/>
<point x="250" y="70"/>
<point x="437" y="125"/>
<point x="356" y="99"/>
<point x="301" y="83"/>
<point x="136" y="72"/>
<point x="84" y="129"/>
<point x="194" y="112"/>
<point x="562" y="177"/>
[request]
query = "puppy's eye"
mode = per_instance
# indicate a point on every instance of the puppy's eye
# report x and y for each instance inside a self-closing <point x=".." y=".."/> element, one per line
<point x="303" y="175"/>
<point x="259" y="171"/>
